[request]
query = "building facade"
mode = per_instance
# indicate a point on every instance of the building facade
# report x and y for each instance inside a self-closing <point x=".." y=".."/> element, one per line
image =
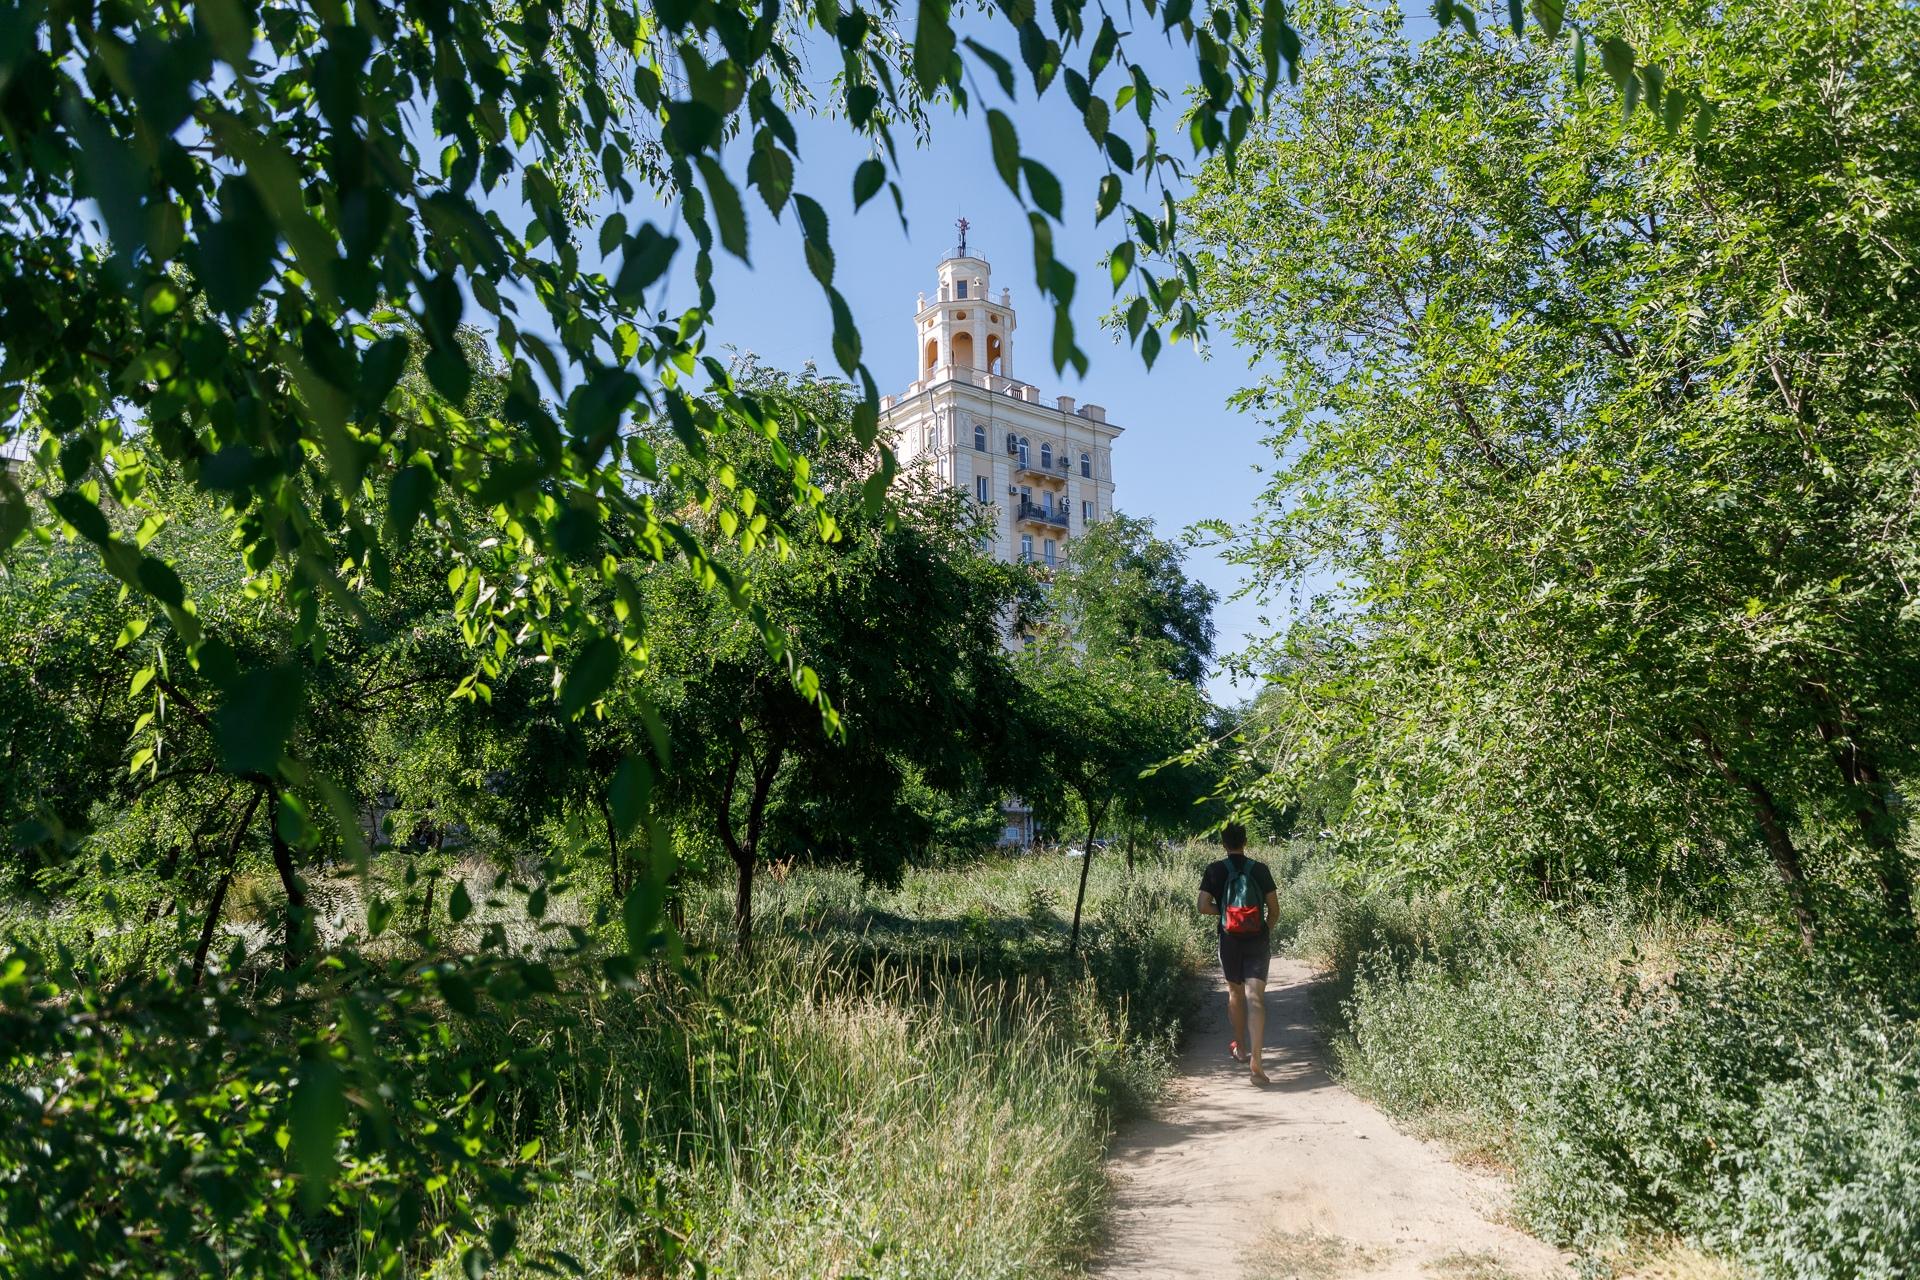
<point x="1040" y="471"/>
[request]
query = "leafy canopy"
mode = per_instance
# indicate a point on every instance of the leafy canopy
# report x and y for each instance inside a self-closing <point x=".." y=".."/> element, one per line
<point x="1603" y="440"/>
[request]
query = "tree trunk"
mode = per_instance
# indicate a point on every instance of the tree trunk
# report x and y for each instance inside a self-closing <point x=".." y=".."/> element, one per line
<point x="746" y="852"/>
<point x="1080" y="898"/>
<point x="613" y="850"/>
<point x="1786" y="857"/>
<point x="743" y="907"/>
<point x="212" y="921"/>
<point x="290" y="885"/>
<point x="208" y="925"/>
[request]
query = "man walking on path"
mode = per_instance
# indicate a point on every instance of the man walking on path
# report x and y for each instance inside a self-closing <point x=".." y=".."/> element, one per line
<point x="1240" y="893"/>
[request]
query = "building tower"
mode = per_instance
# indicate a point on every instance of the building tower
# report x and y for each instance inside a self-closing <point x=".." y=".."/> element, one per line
<point x="1044" y="470"/>
<point x="1040" y="472"/>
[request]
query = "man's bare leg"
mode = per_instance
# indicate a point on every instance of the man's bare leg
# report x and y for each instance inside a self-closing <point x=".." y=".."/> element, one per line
<point x="1253" y="1018"/>
<point x="1237" y="1013"/>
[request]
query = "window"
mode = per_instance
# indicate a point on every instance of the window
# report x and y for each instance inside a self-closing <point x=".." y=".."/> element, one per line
<point x="1051" y="559"/>
<point x="933" y="436"/>
<point x="1086" y="511"/>
<point x="1086" y="465"/>
<point x="960" y="288"/>
<point x="980" y="487"/>
<point x="1023" y="451"/>
<point x="1026" y="546"/>
<point x="1046" y="455"/>
<point x="980" y="437"/>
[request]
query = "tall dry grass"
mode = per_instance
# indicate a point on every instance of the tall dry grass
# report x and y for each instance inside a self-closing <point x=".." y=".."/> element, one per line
<point x="902" y="1084"/>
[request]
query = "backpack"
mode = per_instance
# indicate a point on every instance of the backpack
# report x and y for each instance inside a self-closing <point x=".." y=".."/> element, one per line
<point x="1240" y="901"/>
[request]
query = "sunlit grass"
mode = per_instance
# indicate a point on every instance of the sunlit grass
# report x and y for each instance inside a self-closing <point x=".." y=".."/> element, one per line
<point x="900" y="1083"/>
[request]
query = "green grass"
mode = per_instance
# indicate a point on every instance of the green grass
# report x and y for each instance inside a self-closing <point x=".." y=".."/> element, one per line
<point x="902" y="1084"/>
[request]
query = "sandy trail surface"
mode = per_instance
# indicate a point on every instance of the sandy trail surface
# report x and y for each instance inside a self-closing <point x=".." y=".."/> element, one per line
<point x="1229" y="1181"/>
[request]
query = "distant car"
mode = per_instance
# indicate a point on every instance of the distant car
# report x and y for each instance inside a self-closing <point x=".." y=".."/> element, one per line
<point x="1075" y="851"/>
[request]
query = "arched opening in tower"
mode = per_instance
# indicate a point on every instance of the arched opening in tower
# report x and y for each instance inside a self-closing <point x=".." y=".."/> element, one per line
<point x="933" y="353"/>
<point x="962" y="348"/>
<point x="993" y="353"/>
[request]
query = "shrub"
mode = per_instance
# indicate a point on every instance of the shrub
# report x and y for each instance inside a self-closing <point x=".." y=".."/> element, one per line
<point x="1641" y="1077"/>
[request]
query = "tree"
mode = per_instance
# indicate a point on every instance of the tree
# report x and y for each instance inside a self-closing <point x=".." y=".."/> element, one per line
<point x="1101" y="728"/>
<point x="1600" y="428"/>
<point x="1124" y="588"/>
<point x="898" y="616"/>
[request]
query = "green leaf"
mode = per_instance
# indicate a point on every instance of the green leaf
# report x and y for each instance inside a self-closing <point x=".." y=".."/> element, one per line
<point x="1616" y="56"/>
<point x="647" y="255"/>
<point x="1517" y="16"/>
<point x="459" y="902"/>
<point x="726" y="206"/>
<point x="630" y="792"/>
<point x="81" y="512"/>
<point x="407" y="498"/>
<point x="14" y="515"/>
<point x="590" y="675"/>
<point x="867" y="180"/>
<point x="257" y="715"/>
<point x="290" y="820"/>
<point x="1109" y="198"/>
<point x="1001" y="68"/>
<point x="813" y="229"/>
<point x="933" y="45"/>
<point x="1006" y="148"/>
<point x="161" y="582"/>
<point x="318" y="1109"/>
<point x="640" y="913"/>
<point x="1044" y="186"/>
<point x="771" y="173"/>
<point x="1549" y="14"/>
<point x="1042" y="55"/>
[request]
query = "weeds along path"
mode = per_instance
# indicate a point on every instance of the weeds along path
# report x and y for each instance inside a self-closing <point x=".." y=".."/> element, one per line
<point x="1299" y="1179"/>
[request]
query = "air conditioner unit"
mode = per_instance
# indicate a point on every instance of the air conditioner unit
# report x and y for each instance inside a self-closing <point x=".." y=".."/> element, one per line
<point x="1013" y="490"/>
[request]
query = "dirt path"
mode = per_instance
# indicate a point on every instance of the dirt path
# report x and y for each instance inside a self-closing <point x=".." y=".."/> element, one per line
<point x="1301" y="1179"/>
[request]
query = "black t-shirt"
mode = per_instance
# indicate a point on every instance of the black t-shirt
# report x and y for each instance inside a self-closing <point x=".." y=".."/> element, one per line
<point x="1213" y="881"/>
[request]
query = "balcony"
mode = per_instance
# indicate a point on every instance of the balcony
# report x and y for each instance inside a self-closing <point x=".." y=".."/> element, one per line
<point x="1033" y="513"/>
<point x="1060" y="470"/>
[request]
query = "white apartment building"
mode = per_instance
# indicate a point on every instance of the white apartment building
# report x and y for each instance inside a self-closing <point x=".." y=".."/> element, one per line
<point x="1045" y="470"/>
<point x="1041" y="471"/>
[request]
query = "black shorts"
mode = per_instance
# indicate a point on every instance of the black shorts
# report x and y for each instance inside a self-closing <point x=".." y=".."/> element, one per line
<point x="1243" y="956"/>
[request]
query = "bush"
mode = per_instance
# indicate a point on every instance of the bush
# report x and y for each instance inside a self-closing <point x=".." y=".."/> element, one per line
<point x="1642" y="1078"/>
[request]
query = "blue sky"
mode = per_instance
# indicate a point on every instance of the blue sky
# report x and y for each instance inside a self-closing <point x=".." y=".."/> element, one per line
<point x="1184" y="456"/>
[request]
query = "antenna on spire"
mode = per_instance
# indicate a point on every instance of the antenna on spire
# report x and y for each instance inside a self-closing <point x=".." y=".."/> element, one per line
<point x="963" y="224"/>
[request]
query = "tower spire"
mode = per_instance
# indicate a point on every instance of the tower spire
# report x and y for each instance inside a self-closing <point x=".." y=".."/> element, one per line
<point x="962" y="224"/>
